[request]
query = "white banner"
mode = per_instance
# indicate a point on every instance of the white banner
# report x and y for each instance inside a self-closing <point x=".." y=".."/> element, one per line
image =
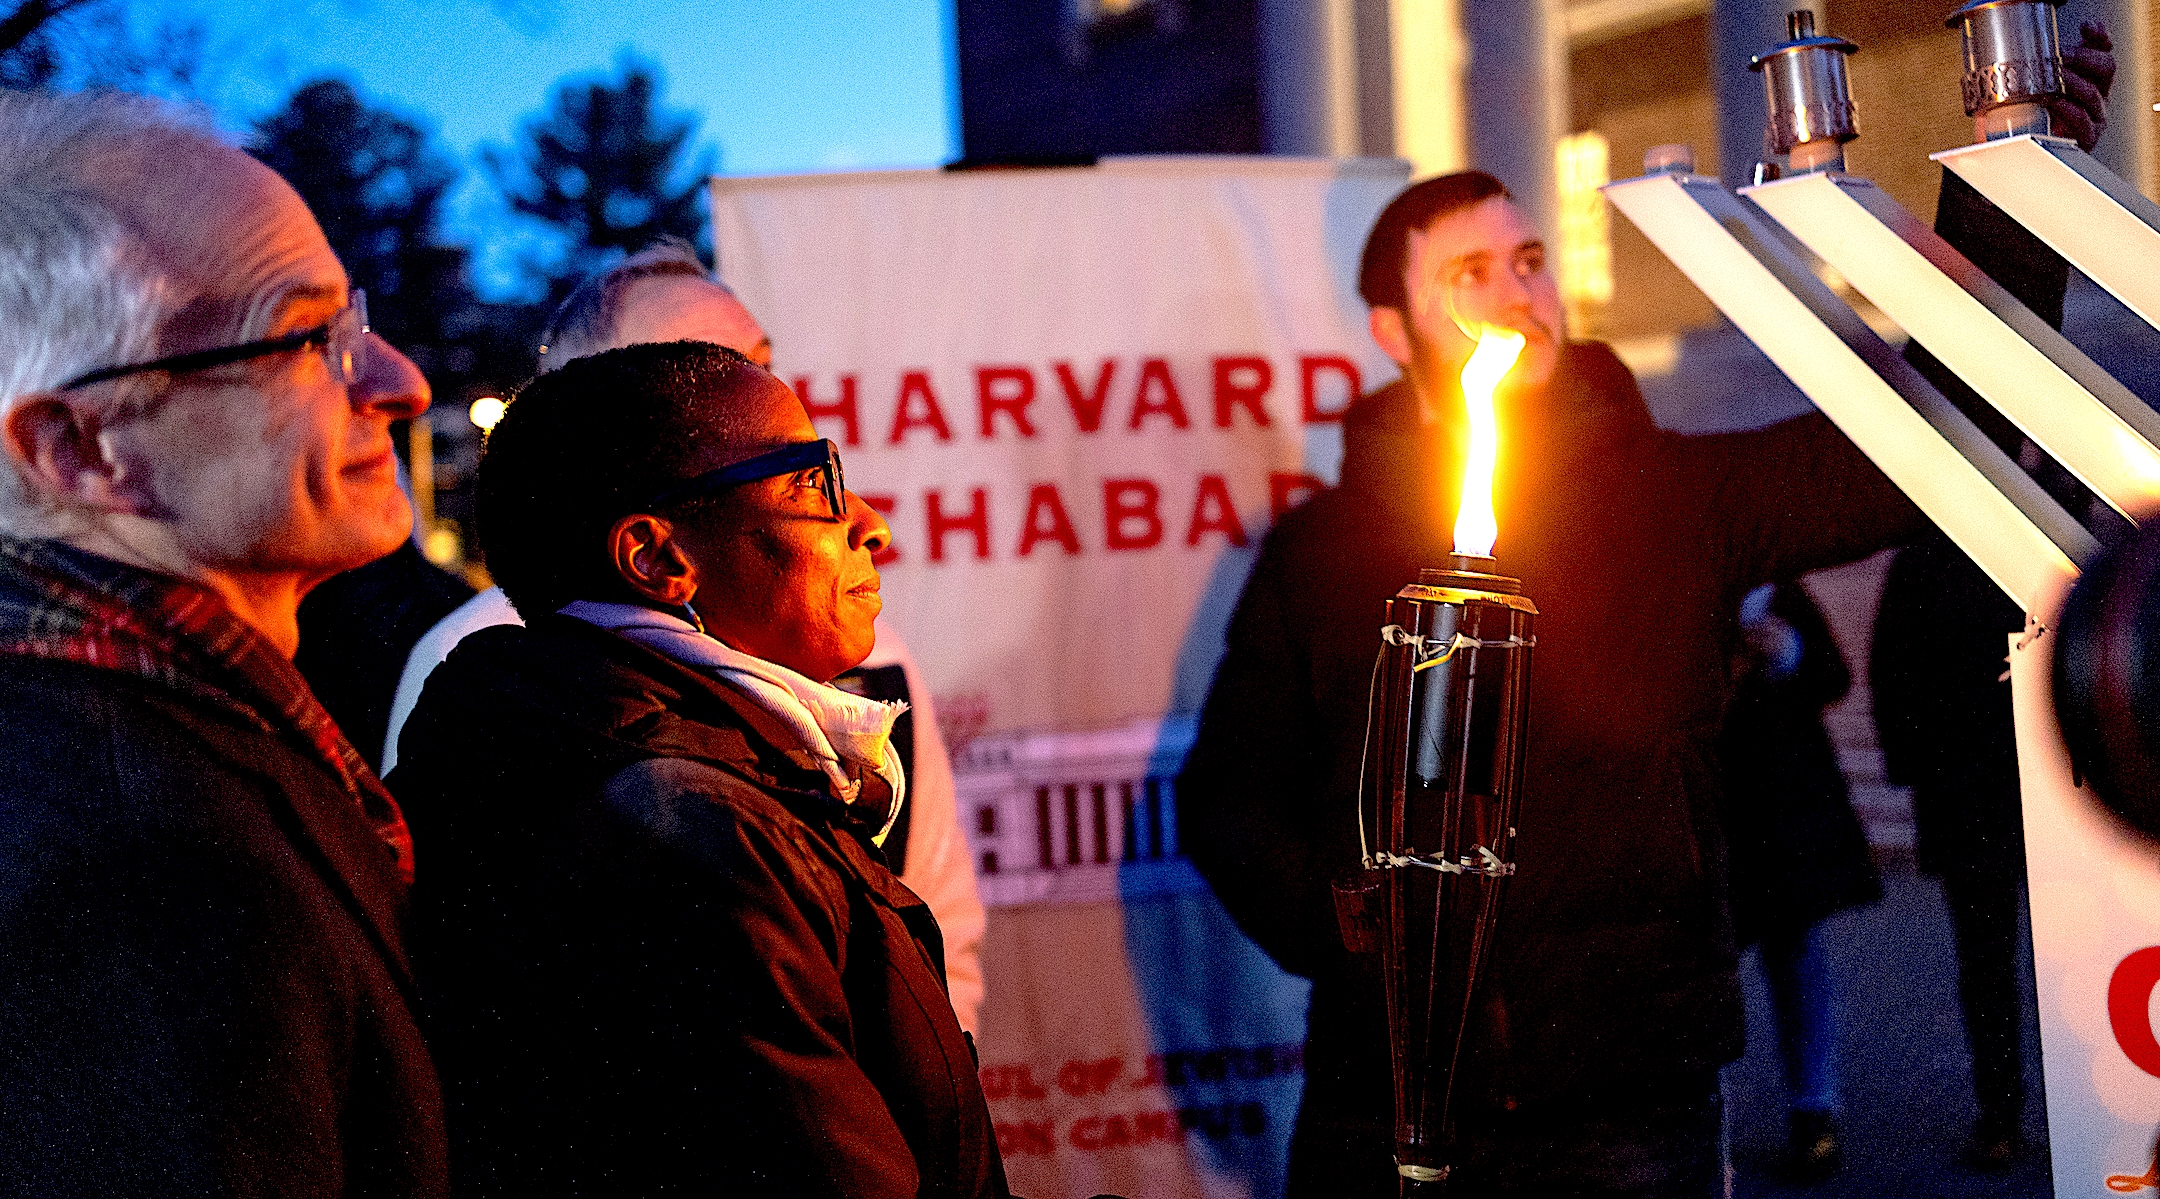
<point x="1080" y="396"/>
<point x="2096" y="957"/>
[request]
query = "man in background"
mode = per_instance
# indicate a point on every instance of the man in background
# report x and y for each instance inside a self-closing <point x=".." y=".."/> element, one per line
<point x="205" y="989"/>
<point x="664" y="294"/>
<point x="1611" y="1001"/>
<point x="1796" y="850"/>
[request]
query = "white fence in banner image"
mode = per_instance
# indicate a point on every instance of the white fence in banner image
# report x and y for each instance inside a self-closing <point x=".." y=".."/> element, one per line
<point x="1076" y="817"/>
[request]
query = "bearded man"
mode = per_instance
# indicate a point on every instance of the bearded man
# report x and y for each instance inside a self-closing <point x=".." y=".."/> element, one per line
<point x="1612" y="999"/>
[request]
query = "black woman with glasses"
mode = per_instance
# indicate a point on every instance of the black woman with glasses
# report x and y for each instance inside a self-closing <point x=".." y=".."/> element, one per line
<point x="660" y="938"/>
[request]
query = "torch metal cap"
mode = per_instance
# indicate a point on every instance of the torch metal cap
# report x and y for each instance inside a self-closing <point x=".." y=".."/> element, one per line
<point x="1467" y="579"/>
<point x="2012" y="52"/>
<point x="1810" y="97"/>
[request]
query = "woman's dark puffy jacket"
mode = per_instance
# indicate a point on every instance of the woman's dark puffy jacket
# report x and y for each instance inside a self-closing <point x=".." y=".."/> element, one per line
<point x="656" y="954"/>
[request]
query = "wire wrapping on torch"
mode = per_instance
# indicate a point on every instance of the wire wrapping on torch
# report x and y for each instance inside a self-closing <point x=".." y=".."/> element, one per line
<point x="1458" y="641"/>
<point x="1396" y="635"/>
<point x="1489" y="864"/>
<point x="1433" y="734"/>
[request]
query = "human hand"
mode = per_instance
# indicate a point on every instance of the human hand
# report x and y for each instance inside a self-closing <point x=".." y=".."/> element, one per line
<point x="1774" y="647"/>
<point x="2088" y="74"/>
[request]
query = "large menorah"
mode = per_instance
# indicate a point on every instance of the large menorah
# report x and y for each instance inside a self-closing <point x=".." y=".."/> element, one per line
<point x="1759" y="255"/>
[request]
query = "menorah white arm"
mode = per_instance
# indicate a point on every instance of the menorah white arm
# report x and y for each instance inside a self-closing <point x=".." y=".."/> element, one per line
<point x="1959" y="479"/>
<point x="2056" y="395"/>
<point x="2082" y="210"/>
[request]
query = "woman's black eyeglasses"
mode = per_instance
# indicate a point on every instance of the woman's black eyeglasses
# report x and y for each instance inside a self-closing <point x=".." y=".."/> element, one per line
<point x="788" y="459"/>
<point x="343" y="339"/>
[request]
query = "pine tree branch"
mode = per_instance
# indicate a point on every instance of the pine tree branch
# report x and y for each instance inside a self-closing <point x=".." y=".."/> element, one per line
<point x="30" y="16"/>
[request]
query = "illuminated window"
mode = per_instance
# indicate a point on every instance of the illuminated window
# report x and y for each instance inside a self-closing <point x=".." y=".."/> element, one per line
<point x="1585" y="268"/>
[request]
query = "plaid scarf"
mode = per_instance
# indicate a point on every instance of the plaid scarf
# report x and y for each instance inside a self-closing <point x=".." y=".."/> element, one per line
<point x="61" y="603"/>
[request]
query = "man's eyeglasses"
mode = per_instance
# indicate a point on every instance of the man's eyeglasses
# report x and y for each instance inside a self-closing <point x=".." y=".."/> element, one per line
<point x="788" y="459"/>
<point x="343" y="339"/>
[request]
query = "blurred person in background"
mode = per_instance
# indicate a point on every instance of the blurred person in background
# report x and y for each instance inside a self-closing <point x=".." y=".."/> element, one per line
<point x="661" y="946"/>
<point x="1939" y="673"/>
<point x="205" y="987"/>
<point x="1942" y="714"/>
<point x="664" y="293"/>
<point x="1796" y="850"/>
<point x="358" y="629"/>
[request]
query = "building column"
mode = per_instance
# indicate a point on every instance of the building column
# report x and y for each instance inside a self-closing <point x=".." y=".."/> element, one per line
<point x="1515" y="89"/>
<point x="1468" y="83"/>
<point x="1739" y="30"/>
<point x="2128" y="147"/>
<point x="1481" y="83"/>
<point x="1309" y="77"/>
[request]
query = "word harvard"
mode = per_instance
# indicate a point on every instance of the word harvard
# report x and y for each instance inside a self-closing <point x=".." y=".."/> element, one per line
<point x="1110" y="395"/>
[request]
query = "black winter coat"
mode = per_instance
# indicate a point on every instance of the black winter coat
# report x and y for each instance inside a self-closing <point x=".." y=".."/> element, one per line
<point x="659" y="957"/>
<point x="1796" y="850"/>
<point x="1941" y="701"/>
<point x="203" y="988"/>
<point x="1614" y="968"/>
<point x="1942" y="709"/>
<point x="357" y="629"/>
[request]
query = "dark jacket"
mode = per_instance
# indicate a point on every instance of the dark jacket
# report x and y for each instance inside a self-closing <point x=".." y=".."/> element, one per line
<point x="1942" y="709"/>
<point x="357" y="629"/>
<point x="659" y="956"/>
<point x="1941" y="697"/>
<point x="1796" y="850"/>
<point x="1614" y="968"/>
<point x="203" y="989"/>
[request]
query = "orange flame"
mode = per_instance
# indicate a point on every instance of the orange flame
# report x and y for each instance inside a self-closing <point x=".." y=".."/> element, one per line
<point x="1476" y="528"/>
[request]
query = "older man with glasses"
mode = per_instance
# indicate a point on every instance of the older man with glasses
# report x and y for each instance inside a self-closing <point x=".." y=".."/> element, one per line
<point x="662" y="945"/>
<point x="203" y="982"/>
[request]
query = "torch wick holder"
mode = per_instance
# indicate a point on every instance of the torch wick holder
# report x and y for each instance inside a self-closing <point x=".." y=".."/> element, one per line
<point x="1470" y="573"/>
<point x="2013" y="65"/>
<point x="1809" y="97"/>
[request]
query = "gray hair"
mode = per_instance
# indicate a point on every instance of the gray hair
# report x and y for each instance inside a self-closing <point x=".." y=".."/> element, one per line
<point x="586" y="322"/>
<point x="80" y="287"/>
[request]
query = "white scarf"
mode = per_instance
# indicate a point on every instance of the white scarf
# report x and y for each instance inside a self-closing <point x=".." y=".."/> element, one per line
<point x="834" y="726"/>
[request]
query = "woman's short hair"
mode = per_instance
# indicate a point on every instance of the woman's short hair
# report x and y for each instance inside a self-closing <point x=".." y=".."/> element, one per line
<point x="581" y="447"/>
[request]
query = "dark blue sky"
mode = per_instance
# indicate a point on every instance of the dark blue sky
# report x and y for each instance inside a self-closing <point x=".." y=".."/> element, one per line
<point x="799" y="85"/>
